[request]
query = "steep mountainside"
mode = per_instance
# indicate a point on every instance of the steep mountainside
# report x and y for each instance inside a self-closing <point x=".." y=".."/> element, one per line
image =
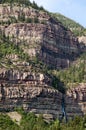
<point x="42" y="36"/>
<point x="33" y="47"/>
<point x="75" y="27"/>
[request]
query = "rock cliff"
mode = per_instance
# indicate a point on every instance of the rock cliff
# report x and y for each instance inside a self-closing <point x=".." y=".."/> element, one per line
<point x="39" y="35"/>
<point x="32" y="96"/>
<point x="76" y="100"/>
<point x="82" y="41"/>
<point x="43" y="37"/>
<point x="38" y="97"/>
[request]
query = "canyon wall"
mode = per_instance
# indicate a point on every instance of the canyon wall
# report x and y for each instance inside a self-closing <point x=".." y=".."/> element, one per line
<point x="53" y="44"/>
<point x="76" y="100"/>
<point x="48" y="39"/>
<point x="33" y="97"/>
<point x="38" y="97"/>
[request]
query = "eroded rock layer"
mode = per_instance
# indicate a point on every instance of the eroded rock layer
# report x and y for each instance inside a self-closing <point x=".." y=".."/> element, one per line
<point x="33" y="97"/>
<point x="76" y="101"/>
<point x="48" y="39"/>
<point x="42" y="36"/>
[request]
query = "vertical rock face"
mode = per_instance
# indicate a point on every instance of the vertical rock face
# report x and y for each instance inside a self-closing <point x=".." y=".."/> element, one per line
<point x="54" y="45"/>
<point x="51" y="42"/>
<point x="82" y="41"/>
<point x="59" y="46"/>
<point x="14" y="11"/>
<point x="76" y="101"/>
<point x="37" y="98"/>
<point x="48" y="39"/>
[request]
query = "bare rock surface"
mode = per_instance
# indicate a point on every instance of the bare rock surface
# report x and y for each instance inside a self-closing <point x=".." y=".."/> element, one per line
<point x="76" y="100"/>
<point x="48" y="39"/>
<point x="15" y="116"/>
<point x="33" y="98"/>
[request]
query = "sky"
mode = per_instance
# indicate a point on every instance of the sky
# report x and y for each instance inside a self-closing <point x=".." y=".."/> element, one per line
<point x="74" y="9"/>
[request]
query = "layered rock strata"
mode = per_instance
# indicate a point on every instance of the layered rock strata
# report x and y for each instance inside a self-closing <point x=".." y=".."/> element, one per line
<point x="55" y="46"/>
<point x="76" y="101"/>
<point x="37" y="98"/>
<point x="50" y="41"/>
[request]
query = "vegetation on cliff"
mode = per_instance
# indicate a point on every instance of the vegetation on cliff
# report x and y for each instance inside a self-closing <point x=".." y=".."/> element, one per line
<point x="23" y="2"/>
<point x="75" y="27"/>
<point x="60" y="78"/>
<point x="76" y="73"/>
<point x="7" y="48"/>
<point x="31" y="122"/>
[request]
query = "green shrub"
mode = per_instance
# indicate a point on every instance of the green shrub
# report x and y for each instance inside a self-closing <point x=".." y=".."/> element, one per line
<point x="29" y="20"/>
<point x="36" y="20"/>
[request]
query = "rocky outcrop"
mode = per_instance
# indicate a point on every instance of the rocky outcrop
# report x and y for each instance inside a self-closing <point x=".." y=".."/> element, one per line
<point x="10" y="12"/>
<point x="76" y="100"/>
<point x="41" y="98"/>
<point x="82" y="39"/>
<point x="46" y="41"/>
<point x="14" y="75"/>
<point x="37" y="98"/>
<point x="50" y="41"/>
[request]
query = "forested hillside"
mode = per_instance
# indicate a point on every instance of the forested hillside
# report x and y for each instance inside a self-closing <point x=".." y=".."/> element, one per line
<point x="32" y="122"/>
<point x="75" y="27"/>
<point x="75" y="74"/>
<point x="24" y="2"/>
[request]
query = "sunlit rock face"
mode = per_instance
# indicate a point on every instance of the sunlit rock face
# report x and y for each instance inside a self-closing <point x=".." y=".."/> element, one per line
<point x="76" y="100"/>
<point x="82" y="41"/>
<point x="33" y="97"/>
<point x="48" y="39"/>
<point x="53" y="44"/>
<point x="36" y="96"/>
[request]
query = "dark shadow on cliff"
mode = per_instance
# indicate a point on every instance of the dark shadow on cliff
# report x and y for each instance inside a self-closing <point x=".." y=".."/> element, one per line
<point x="54" y="52"/>
<point x="56" y="83"/>
<point x="72" y="102"/>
